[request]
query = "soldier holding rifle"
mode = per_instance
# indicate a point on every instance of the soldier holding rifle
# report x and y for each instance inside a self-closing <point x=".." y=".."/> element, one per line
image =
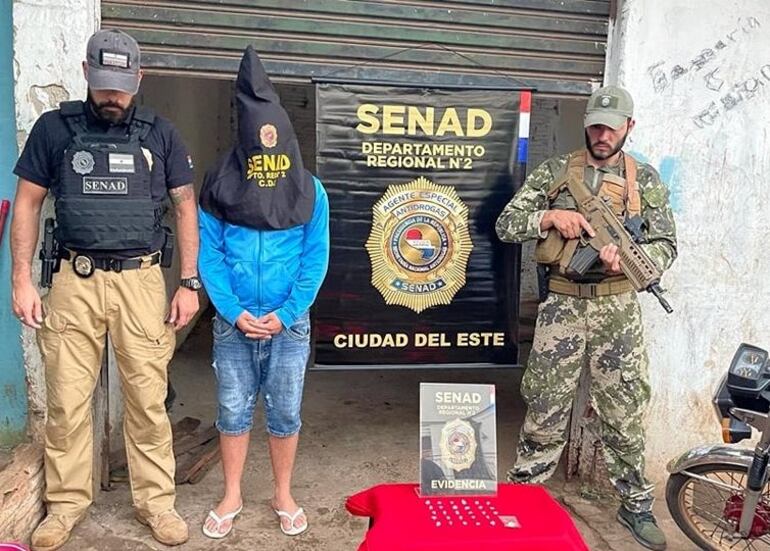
<point x="592" y="264"/>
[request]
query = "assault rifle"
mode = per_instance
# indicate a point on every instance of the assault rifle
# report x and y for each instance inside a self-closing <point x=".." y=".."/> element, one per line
<point x="638" y="267"/>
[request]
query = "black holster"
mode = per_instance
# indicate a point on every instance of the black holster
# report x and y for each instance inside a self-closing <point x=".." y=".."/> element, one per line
<point x="49" y="254"/>
<point x="543" y="275"/>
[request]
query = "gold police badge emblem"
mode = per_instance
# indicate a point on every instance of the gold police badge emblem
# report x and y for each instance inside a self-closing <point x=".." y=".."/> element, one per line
<point x="268" y="135"/>
<point x="458" y="445"/>
<point x="419" y="244"/>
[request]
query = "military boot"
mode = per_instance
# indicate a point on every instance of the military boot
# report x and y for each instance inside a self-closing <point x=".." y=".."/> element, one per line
<point x="168" y="528"/>
<point x="644" y="528"/>
<point x="53" y="532"/>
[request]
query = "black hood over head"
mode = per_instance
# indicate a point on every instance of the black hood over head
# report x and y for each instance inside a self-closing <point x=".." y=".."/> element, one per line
<point x="261" y="182"/>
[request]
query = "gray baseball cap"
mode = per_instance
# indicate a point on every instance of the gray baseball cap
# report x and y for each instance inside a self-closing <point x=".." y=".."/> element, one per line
<point x="610" y="106"/>
<point x="113" y="62"/>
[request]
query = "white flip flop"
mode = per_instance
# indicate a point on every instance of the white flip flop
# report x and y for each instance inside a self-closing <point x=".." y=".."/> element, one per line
<point x="294" y="530"/>
<point x="216" y="534"/>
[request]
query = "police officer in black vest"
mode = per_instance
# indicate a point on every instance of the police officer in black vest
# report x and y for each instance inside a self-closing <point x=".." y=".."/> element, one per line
<point x="109" y="165"/>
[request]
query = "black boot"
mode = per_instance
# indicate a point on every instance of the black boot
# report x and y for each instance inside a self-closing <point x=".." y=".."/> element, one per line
<point x="644" y="528"/>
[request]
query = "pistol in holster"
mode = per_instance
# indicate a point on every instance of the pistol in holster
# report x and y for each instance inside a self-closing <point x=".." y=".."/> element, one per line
<point x="49" y="254"/>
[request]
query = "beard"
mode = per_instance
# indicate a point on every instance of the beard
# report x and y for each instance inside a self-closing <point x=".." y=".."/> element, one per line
<point x="599" y="156"/>
<point x="109" y="111"/>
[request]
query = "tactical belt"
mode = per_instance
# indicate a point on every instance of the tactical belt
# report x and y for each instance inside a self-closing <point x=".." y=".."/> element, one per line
<point x="114" y="264"/>
<point x="589" y="290"/>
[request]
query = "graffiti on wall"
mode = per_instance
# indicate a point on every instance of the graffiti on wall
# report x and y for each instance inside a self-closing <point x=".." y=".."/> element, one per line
<point x="709" y="66"/>
<point x="739" y="92"/>
<point x="664" y="74"/>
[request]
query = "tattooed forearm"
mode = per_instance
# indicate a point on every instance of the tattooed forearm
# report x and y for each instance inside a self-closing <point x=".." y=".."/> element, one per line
<point x="186" y="228"/>
<point x="181" y="194"/>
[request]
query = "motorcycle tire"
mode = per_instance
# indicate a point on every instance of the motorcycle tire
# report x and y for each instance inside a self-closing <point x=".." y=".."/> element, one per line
<point x="677" y="485"/>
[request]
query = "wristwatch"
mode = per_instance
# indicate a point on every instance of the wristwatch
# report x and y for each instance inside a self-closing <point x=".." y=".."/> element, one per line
<point x="192" y="283"/>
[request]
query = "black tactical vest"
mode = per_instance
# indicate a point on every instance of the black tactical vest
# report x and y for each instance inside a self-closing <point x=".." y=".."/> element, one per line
<point x="103" y="197"/>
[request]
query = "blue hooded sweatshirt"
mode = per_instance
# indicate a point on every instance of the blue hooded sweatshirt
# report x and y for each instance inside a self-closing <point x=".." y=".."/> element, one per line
<point x="264" y="220"/>
<point x="265" y="271"/>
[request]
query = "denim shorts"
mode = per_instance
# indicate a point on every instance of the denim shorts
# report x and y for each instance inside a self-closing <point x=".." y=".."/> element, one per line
<point x="245" y="367"/>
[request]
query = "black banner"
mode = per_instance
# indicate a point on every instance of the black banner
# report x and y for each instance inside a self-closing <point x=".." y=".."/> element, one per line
<point x="416" y="179"/>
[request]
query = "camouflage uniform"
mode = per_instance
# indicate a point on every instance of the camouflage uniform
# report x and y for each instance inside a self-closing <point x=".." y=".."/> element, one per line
<point x="604" y="332"/>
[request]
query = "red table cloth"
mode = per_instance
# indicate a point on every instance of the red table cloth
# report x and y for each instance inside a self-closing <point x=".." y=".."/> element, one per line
<point x="520" y="517"/>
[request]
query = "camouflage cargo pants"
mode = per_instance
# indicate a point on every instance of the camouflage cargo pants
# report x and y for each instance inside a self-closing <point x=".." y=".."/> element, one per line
<point x="605" y="332"/>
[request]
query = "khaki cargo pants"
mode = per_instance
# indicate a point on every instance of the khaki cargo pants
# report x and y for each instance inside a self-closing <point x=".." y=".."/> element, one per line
<point x="78" y="314"/>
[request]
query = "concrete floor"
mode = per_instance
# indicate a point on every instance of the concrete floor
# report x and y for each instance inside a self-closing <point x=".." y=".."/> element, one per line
<point x="360" y="429"/>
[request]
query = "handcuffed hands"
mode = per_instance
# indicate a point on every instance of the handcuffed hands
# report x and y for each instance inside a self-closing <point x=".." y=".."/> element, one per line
<point x="259" y="328"/>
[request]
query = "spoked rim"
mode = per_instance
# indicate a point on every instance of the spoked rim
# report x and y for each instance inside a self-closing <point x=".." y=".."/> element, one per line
<point x="703" y="506"/>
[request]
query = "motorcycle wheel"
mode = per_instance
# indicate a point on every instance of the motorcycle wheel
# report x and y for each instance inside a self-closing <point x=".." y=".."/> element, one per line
<point x="708" y="513"/>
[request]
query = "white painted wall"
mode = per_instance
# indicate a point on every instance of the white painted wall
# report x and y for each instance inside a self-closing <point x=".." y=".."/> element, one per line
<point x="700" y="75"/>
<point x="49" y="45"/>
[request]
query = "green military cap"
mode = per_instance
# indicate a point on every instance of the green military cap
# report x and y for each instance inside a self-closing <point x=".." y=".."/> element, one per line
<point x="610" y="106"/>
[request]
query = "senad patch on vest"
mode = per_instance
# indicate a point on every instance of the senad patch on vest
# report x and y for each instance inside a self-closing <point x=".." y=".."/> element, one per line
<point x="93" y="185"/>
<point x="122" y="163"/>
